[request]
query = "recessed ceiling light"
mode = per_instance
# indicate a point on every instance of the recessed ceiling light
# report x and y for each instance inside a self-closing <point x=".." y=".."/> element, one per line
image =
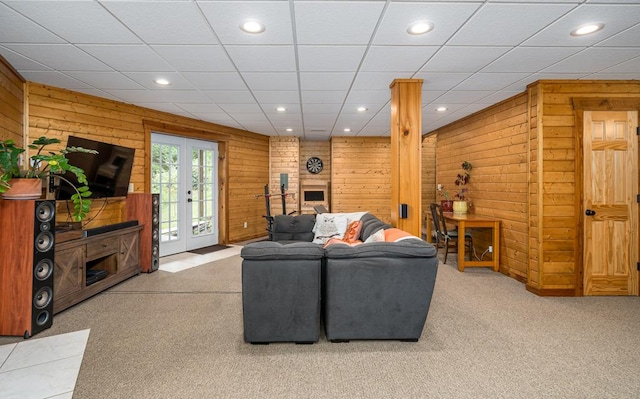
<point x="586" y="29"/>
<point x="347" y="130"/>
<point x="441" y="109"/>
<point x="362" y="109"/>
<point x="289" y="129"/>
<point x="252" y="26"/>
<point x="162" y="82"/>
<point x="281" y="109"/>
<point x="419" y="28"/>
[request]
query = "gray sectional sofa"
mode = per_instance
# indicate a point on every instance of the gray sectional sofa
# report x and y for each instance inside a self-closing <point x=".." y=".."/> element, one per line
<point x="373" y="290"/>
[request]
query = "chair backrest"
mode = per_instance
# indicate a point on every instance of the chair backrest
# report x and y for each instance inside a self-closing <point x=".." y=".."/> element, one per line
<point x="437" y="216"/>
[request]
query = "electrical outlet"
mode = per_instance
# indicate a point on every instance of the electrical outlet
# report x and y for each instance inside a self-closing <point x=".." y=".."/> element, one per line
<point x="490" y="249"/>
<point x="439" y="187"/>
<point x="244" y="225"/>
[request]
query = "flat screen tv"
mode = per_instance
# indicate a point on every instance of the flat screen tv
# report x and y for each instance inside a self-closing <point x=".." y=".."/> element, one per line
<point x="108" y="172"/>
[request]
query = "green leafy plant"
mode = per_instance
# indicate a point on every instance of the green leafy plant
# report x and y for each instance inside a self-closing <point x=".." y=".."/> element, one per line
<point x="44" y="164"/>
<point x="462" y="179"/>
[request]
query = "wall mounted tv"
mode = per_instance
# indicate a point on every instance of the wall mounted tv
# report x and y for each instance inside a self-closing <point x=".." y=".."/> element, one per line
<point x="108" y="172"/>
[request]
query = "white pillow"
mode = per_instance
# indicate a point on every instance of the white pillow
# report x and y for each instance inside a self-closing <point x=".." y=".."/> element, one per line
<point x="378" y="236"/>
<point x="329" y="225"/>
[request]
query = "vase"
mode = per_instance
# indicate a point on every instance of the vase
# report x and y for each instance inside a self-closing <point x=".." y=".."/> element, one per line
<point x="460" y="207"/>
<point x="23" y="189"/>
<point x="447" y="205"/>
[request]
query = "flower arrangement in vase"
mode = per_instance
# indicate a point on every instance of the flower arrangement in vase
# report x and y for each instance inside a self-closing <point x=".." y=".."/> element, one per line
<point x="460" y="204"/>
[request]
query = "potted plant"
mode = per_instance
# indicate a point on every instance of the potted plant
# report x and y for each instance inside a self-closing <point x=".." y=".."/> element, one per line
<point x="446" y="202"/>
<point x="42" y="165"/>
<point x="460" y="204"/>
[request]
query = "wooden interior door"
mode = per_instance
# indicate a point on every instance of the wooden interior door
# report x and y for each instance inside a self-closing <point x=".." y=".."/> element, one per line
<point x="610" y="205"/>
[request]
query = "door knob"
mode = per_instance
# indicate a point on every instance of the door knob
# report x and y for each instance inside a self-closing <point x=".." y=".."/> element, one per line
<point x="590" y="212"/>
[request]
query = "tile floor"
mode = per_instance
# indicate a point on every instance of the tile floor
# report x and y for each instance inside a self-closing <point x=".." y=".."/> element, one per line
<point x="41" y="368"/>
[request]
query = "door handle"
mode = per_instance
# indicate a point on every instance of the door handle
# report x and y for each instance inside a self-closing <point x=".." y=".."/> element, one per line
<point x="590" y="212"/>
<point x="189" y="200"/>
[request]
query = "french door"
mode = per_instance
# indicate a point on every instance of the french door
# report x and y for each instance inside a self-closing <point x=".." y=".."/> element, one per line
<point x="184" y="172"/>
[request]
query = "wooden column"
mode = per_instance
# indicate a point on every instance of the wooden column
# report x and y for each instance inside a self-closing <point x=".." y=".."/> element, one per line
<point x="406" y="153"/>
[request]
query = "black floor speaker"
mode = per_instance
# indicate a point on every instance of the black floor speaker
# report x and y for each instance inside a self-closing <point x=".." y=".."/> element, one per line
<point x="145" y="208"/>
<point x="26" y="266"/>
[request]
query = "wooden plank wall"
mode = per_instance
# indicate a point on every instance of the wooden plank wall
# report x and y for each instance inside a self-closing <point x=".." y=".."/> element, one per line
<point x="284" y="158"/>
<point x="320" y="149"/>
<point x="59" y="113"/>
<point x="11" y="104"/>
<point x="361" y="175"/>
<point x="428" y="173"/>
<point x="494" y="140"/>
<point x="555" y="215"/>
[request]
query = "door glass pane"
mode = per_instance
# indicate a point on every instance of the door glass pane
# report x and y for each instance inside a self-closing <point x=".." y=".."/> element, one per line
<point x="165" y="170"/>
<point x="202" y="205"/>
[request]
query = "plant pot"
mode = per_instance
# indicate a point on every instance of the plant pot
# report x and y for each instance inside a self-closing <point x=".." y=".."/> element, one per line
<point x="447" y="205"/>
<point x="24" y="189"/>
<point x="460" y="207"/>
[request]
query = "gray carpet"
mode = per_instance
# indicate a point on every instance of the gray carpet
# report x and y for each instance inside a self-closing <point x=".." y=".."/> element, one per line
<point x="179" y="335"/>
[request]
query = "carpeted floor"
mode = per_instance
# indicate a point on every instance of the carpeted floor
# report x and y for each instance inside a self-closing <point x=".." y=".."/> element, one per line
<point x="179" y="335"/>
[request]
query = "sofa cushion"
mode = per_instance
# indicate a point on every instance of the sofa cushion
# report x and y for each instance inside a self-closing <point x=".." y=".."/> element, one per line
<point x="293" y="228"/>
<point x="271" y="250"/>
<point x="394" y="235"/>
<point x="371" y="224"/>
<point x="401" y="249"/>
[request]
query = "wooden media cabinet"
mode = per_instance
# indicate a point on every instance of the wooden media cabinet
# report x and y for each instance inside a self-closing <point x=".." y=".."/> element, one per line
<point x="116" y="253"/>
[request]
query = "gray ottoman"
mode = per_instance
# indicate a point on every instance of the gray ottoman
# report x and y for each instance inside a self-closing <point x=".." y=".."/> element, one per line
<point x="281" y="292"/>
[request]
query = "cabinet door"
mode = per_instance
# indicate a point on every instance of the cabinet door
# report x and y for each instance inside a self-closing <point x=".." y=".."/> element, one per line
<point x="129" y="257"/>
<point x="68" y="274"/>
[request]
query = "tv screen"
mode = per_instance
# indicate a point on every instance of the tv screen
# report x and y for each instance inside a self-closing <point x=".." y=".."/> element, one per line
<point x="108" y="172"/>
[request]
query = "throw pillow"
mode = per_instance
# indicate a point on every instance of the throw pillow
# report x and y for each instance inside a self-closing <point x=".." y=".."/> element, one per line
<point x="329" y="226"/>
<point x="395" y="235"/>
<point x="378" y="236"/>
<point x="353" y="231"/>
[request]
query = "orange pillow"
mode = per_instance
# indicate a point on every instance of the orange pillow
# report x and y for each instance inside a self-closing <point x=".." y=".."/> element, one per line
<point x="394" y="234"/>
<point x="353" y="231"/>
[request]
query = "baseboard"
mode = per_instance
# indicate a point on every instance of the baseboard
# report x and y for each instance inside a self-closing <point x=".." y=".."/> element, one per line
<point x="552" y="291"/>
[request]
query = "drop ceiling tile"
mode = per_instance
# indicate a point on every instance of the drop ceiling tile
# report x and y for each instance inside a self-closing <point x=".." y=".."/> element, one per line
<point x="499" y="96"/>
<point x="220" y="118"/>
<point x="377" y="81"/>
<point x="615" y="17"/>
<point x="446" y="18"/>
<point x="146" y="79"/>
<point x="20" y="62"/>
<point x="343" y="22"/>
<point x="98" y="93"/>
<point x="233" y="109"/>
<point x="397" y="58"/>
<point x="530" y="59"/>
<point x="491" y="81"/>
<point x="271" y="80"/>
<point x="463" y="97"/>
<point x="231" y="96"/>
<point x="54" y="78"/>
<point x="133" y="58"/>
<point x="106" y="80"/>
<point x="196" y="58"/>
<point x="507" y="24"/>
<point x="274" y="96"/>
<point x="441" y="80"/>
<point x="159" y="96"/>
<point x="15" y="28"/>
<point x="614" y="76"/>
<point x="630" y="37"/>
<point x="368" y="96"/>
<point x="372" y="109"/>
<point x="216" y="80"/>
<point x="316" y="136"/>
<point x="463" y="58"/>
<point x="267" y="130"/>
<point x="62" y="57"/>
<point x="330" y="58"/>
<point x="200" y="108"/>
<point x="165" y="107"/>
<point x="263" y="58"/>
<point x="324" y="97"/>
<point x="326" y="80"/>
<point x="164" y="22"/>
<point x="77" y="21"/>
<point x="594" y="58"/>
<point x="226" y="16"/>
<point x="631" y="67"/>
<point x="429" y="96"/>
<point x="270" y="109"/>
<point x="321" y="108"/>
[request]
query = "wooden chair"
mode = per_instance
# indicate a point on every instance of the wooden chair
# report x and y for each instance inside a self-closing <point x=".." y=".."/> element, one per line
<point x="445" y="237"/>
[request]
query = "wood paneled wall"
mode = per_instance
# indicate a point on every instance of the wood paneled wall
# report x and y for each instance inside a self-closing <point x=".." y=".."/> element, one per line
<point x="429" y="184"/>
<point x="320" y="149"/>
<point x="555" y="217"/>
<point x="59" y="113"/>
<point x="284" y="158"/>
<point x="361" y="175"/>
<point x="11" y="104"/>
<point x="494" y="141"/>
